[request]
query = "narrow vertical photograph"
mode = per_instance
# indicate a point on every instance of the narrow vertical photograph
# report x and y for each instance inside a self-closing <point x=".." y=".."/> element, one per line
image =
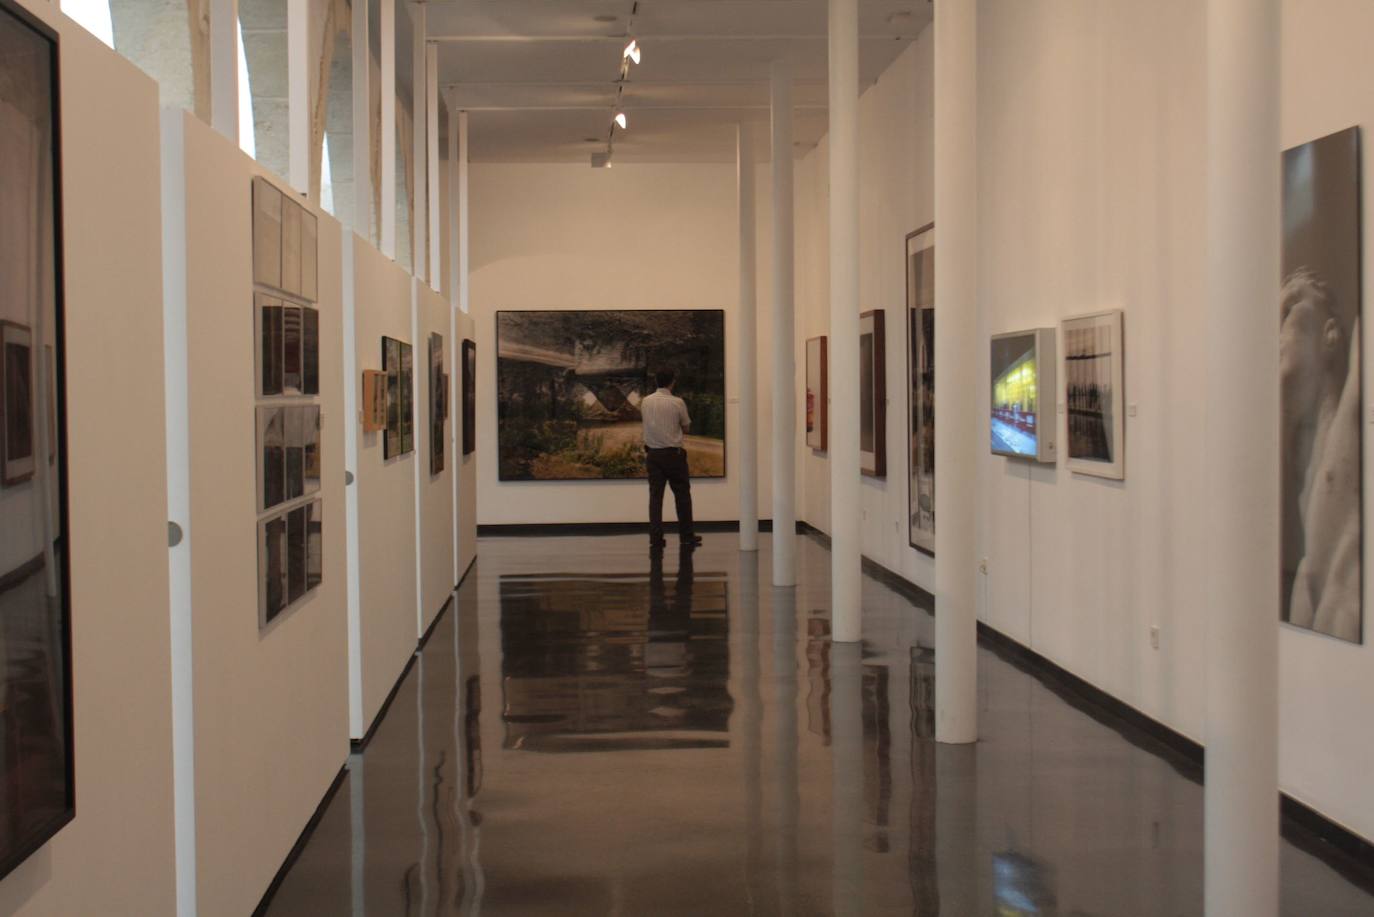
<point x="920" y="292"/>
<point x="1320" y="389"/>
<point x="271" y="456"/>
<point x="271" y="347"/>
<point x="1094" y="383"/>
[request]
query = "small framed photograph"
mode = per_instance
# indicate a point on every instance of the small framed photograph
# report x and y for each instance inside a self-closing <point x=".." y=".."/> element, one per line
<point x="1094" y="393"/>
<point x="17" y="451"/>
<point x="291" y="247"/>
<point x="817" y="394"/>
<point x="267" y="233"/>
<point x="271" y="457"/>
<point x="272" y="586"/>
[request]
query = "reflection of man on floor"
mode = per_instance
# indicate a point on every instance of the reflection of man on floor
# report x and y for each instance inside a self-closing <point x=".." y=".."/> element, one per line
<point x="1320" y="430"/>
<point x="665" y="421"/>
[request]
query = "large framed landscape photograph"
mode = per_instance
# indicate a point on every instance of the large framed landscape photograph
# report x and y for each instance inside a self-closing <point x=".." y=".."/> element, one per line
<point x="37" y="777"/>
<point x="569" y="385"/>
<point x="1320" y="389"/>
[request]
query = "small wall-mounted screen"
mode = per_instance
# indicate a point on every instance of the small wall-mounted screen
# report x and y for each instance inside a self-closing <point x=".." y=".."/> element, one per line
<point x="1015" y="395"/>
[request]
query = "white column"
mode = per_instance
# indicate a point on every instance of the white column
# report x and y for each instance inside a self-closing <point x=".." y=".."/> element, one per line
<point x="419" y="146"/>
<point x="1241" y="849"/>
<point x="432" y="169"/>
<point x="957" y="381"/>
<point x="298" y="93"/>
<point x="784" y="343"/>
<point x="454" y="203"/>
<point x="388" y="127"/>
<point x="455" y="349"/>
<point x="463" y="248"/>
<point x="748" y="345"/>
<point x="362" y="122"/>
<point x="224" y="67"/>
<point x="845" y="494"/>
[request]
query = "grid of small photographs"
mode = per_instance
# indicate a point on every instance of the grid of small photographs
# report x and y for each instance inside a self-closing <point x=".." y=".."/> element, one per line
<point x="398" y="364"/>
<point x="288" y="444"/>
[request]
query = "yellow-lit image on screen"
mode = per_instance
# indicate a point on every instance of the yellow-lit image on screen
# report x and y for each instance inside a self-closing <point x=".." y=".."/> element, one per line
<point x="1015" y="395"/>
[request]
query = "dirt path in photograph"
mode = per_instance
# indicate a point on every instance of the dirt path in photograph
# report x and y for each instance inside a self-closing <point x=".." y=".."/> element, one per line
<point x="705" y="456"/>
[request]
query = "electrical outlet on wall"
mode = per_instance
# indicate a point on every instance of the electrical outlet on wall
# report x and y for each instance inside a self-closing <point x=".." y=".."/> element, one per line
<point x="1154" y="636"/>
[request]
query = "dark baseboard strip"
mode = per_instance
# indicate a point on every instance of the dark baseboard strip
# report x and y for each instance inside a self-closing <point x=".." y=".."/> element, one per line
<point x="435" y="623"/>
<point x="1181" y="752"/>
<point x="462" y="579"/>
<point x="359" y="745"/>
<point x="1340" y="848"/>
<point x="543" y="529"/>
<point x="296" y="848"/>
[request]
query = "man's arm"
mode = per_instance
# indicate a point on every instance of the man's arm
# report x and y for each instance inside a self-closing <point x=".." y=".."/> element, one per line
<point x="686" y="418"/>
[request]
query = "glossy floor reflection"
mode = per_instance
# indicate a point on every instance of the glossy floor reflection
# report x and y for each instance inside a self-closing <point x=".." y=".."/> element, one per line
<point x="594" y="733"/>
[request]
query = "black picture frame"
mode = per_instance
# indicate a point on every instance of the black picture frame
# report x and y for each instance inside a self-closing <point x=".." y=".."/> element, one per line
<point x="920" y="390"/>
<point x="469" y="397"/>
<point x="873" y="393"/>
<point x="33" y="836"/>
<point x="438" y="411"/>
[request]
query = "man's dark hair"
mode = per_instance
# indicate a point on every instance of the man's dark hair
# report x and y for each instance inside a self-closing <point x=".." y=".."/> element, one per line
<point x="665" y="378"/>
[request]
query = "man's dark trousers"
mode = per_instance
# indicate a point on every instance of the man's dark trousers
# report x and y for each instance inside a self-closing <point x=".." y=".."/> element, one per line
<point x="669" y="467"/>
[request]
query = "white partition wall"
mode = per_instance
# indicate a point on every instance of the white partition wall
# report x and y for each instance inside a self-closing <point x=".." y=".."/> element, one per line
<point x="552" y="236"/>
<point x="467" y="480"/>
<point x="435" y="542"/>
<point x="120" y="846"/>
<point x="388" y="603"/>
<point x="270" y="730"/>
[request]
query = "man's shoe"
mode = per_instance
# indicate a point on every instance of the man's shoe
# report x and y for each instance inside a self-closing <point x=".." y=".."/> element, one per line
<point x="692" y="542"/>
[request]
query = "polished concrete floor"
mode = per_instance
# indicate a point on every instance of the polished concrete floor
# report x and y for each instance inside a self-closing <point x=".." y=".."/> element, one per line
<point x="596" y="732"/>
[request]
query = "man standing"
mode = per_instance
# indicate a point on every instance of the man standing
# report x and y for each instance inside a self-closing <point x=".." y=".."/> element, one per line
<point x="665" y="421"/>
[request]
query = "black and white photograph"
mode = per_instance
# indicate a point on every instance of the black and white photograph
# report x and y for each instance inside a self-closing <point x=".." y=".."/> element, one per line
<point x="267" y="233"/>
<point x="17" y="452"/>
<point x="407" y="399"/>
<point x="292" y="333"/>
<point x="296" y="553"/>
<point x="1320" y="380"/>
<point x="310" y="351"/>
<point x="37" y="775"/>
<point x="314" y="544"/>
<point x="310" y="256"/>
<point x="1094" y="394"/>
<point x="271" y="344"/>
<point x="438" y="410"/>
<point x="920" y="356"/>
<point x="271" y="456"/>
<point x="295" y="451"/>
<point x="872" y="395"/>
<point x="271" y="568"/>
<point x="469" y="397"/>
<point x="310" y="447"/>
<point x="291" y="247"/>
<point x="391" y="365"/>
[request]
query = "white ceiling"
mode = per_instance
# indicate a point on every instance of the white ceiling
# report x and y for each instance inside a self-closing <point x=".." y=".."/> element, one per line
<point x="540" y="77"/>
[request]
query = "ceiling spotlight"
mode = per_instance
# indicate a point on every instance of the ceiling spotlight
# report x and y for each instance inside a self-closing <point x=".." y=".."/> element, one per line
<point x="631" y="51"/>
<point x="621" y="120"/>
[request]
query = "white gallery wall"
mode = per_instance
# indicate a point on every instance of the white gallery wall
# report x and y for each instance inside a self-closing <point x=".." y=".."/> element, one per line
<point x="1091" y="133"/>
<point x="434" y="492"/>
<point x="637" y="236"/>
<point x="896" y="163"/>
<point x="270" y="733"/>
<point x="1325" y="685"/>
<point x="388" y="600"/>
<point x="118" y="852"/>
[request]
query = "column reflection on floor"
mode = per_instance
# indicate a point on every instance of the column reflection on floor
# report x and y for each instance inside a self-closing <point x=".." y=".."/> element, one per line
<point x="595" y="730"/>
